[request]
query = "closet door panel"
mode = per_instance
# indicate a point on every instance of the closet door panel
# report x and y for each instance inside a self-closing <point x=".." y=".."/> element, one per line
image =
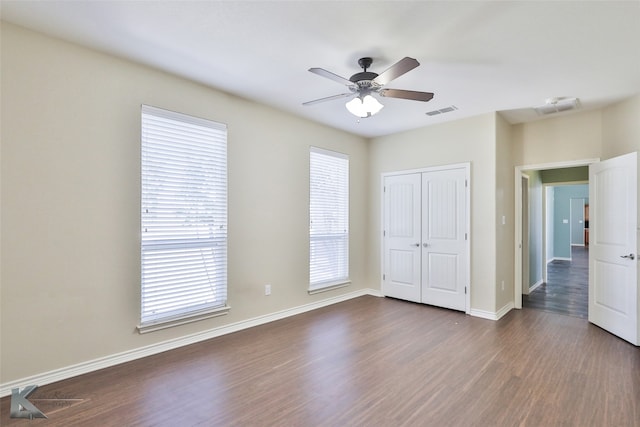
<point x="401" y="240"/>
<point x="444" y="238"/>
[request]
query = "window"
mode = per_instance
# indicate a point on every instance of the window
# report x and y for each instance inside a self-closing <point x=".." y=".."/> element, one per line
<point x="183" y="218"/>
<point x="328" y="219"/>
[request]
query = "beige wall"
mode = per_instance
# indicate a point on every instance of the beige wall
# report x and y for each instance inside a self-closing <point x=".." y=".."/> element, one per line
<point x="505" y="233"/>
<point x="467" y="140"/>
<point x="560" y="139"/>
<point x="70" y="202"/>
<point x="621" y="131"/>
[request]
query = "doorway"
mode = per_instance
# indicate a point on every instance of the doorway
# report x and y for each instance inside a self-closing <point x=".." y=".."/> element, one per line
<point x="547" y="265"/>
<point x="562" y="280"/>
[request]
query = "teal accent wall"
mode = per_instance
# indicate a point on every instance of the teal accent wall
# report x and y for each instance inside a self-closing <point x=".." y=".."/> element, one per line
<point x="562" y="210"/>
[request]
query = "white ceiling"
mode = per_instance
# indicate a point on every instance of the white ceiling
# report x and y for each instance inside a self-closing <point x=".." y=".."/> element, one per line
<point x="480" y="56"/>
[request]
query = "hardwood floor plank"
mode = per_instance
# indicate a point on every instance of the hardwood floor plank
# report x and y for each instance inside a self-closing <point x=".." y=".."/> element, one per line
<point x="566" y="290"/>
<point x="370" y="362"/>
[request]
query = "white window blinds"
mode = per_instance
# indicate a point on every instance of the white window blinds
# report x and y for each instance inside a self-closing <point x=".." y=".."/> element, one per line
<point x="184" y="216"/>
<point x="328" y="218"/>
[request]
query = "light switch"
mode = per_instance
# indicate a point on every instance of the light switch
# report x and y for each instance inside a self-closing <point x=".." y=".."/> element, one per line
<point x="565" y="221"/>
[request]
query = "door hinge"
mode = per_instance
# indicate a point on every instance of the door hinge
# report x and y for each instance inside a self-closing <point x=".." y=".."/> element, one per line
<point x="384" y="233"/>
<point x="465" y="236"/>
<point x="466" y="184"/>
<point x="465" y="290"/>
<point x="384" y="277"/>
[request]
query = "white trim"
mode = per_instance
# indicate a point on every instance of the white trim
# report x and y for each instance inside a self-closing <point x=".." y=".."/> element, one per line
<point x="138" y="353"/>
<point x="536" y="285"/>
<point x="182" y="320"/>
<point x="559" y="258"/>
<point x="326" y="152"/>
<point x="524" y="251"/>
<point x="505" y="309"/>
<point x="328" y="286"/>
<point x="463" y="165"/>
<point x="490" y="315"/>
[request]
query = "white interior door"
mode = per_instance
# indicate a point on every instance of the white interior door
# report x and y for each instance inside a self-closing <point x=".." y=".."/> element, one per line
<point x="402" y="223"/>
<point x="613" y="286"/>
<point x="444" y="239"/>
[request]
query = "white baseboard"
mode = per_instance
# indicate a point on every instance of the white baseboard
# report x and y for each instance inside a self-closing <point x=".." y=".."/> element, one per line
<point x="559" y="258"/>
<point x="535" y="285"/>
<point x="505" y="309"/>
<point x="483" y="314"/>
<point x="138" y="353"/>
<point x="490" y="315"/>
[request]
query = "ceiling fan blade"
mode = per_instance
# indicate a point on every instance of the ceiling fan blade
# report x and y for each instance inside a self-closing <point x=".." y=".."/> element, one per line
<point x="405" y="65"/>
<point x="328" y="98"/>
<point x="406" y="94"/>
<point x="328" y="74"/>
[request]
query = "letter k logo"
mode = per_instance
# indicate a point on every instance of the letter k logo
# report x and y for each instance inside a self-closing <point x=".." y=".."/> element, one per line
<point x="21" y="407"/>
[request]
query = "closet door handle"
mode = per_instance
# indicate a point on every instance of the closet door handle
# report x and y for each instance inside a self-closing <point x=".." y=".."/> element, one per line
<point x="416" y="245"/>
<point x="630" y="256"/>
<point x="424" y="245"/>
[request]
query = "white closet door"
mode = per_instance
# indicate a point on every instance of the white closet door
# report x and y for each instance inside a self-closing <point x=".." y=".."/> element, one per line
<point x="444" y="239"/>
<point x="402" y="237"/>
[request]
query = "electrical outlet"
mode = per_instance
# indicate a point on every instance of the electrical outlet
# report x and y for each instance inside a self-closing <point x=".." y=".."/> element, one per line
<point x="267" y="289"/>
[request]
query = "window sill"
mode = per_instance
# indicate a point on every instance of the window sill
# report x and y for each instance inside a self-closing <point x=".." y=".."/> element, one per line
<point x="169" y="323"/>
<point x="328" y="287"/>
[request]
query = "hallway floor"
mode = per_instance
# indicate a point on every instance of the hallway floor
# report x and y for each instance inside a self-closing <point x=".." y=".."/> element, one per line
<point x="567" y="288"/>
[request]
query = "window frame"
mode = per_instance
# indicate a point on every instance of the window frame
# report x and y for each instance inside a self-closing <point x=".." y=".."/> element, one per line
<point x="340" y="161"/>
<point x="175" y="241"/>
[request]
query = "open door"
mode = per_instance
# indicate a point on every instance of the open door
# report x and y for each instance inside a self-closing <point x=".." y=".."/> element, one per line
<point x="613" y="286"/>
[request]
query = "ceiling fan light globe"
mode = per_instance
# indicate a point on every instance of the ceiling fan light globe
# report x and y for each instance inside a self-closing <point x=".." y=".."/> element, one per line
<point x="371" y="105"/>
<point x="365" y="107"/>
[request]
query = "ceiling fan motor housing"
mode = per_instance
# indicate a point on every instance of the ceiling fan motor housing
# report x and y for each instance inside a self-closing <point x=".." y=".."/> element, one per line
<point x="363" y="79"/>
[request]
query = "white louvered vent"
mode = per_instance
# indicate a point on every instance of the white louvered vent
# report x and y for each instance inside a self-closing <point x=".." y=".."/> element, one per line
<point x="442" y="110"/>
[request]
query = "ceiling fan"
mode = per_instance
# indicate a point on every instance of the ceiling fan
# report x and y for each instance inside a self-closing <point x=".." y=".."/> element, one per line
<point x="363" y="84"/>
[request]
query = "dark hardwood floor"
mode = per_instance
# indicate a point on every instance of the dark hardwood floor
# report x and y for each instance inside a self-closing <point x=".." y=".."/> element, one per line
<point x="567" y="288"/>
<point x="367" y="362"/>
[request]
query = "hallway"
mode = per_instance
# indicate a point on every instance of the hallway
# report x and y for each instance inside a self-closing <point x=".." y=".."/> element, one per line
<point x="567" y="288"/>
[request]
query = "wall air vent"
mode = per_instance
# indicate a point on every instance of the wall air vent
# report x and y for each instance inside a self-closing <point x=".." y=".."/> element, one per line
<point x="557" y="105"/>
<point x="442" y="111"/>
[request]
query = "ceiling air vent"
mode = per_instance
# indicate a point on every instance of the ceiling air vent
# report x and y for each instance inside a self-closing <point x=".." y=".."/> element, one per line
<point x="442" y="111"/>
<point x="558" y="105"/>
